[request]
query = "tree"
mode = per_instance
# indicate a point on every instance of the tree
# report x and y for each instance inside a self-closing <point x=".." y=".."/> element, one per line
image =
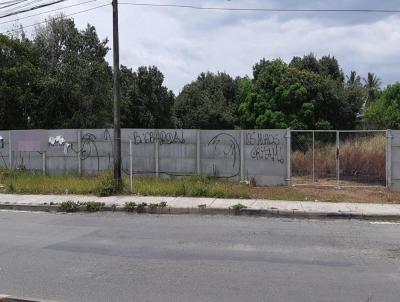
<point x="208" y="103"/>
<point x="384" y="112"/>
<point x="327" y="66"/>
<point x="286" y="96"/>
<point x="373" y="86"/>
<point x="146" y="102"/>
<point x="19" y="78"/>
<point x="76" y="84"/>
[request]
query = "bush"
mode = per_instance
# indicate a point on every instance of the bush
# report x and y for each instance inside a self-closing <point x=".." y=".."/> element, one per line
<point x="70" y="206"/>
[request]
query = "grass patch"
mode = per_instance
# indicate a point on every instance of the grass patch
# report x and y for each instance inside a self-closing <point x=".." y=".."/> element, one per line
<point x="196" y="186"/>
<point x="21" y="182"/>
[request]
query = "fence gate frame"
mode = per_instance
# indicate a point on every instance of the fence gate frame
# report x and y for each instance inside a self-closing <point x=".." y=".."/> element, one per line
<point x="338" y="185"/>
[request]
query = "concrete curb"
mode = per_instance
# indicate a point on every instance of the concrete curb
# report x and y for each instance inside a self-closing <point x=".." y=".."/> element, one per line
<point x="19" y="299"/>
<point x="214" y="211"/>
<point x="318" y="215"/>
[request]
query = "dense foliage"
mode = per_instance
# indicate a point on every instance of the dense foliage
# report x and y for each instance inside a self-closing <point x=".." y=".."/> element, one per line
<point x="384" y="112"/>
<point x="61" y="79"/>
<point x="208" y="103"/>
<point x="146" y="103"/>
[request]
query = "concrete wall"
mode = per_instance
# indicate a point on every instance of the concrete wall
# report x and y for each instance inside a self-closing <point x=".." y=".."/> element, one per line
<point x="236" y="155"/>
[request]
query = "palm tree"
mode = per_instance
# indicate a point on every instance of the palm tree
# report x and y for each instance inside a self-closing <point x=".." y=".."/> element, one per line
<point x="373" y="85"/>
<point x="353" y="79"/>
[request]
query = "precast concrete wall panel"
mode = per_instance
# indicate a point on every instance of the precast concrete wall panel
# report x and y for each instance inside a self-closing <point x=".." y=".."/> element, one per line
<point x="228" y="154"/>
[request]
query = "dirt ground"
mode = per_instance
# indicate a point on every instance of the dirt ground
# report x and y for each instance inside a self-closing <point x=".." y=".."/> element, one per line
<point x="362" y="195"/>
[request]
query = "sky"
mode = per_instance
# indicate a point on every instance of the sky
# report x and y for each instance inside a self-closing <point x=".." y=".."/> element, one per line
<point x="182" y="43"/>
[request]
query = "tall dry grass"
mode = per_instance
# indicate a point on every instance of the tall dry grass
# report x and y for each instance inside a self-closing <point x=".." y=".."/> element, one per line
<point x="361" y="159"/>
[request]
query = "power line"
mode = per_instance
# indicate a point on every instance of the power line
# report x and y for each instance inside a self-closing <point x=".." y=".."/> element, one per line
<point x="10" y="3"/>
<point x="69" y="15"/>
<point x="248" y="9"/>
<point x="31" y="8"/>
<point x="23" y="4"/>
<point x="48" y="11"/>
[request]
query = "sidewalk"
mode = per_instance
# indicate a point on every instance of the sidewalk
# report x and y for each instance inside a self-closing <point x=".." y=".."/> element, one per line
<point x="188" y="205"/>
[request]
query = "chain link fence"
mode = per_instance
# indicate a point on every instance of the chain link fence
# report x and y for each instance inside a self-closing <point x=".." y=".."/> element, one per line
<point x="339" y="158"/>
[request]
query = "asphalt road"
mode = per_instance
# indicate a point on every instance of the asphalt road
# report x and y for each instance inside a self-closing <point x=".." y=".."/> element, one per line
<point x="120" y="257"/>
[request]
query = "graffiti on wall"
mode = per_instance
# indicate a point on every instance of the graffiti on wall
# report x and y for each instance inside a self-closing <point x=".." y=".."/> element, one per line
<point x="265" y="146"/>
<point x="88" y="147"/>
<point x="225" y="146"/>
<point x="162" y="137"/>
<point x="59" y="141"/>
<point x="220" y="153"/>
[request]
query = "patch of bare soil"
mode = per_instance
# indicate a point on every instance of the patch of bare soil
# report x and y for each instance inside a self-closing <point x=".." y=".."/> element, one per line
<point x="362" y="195"/>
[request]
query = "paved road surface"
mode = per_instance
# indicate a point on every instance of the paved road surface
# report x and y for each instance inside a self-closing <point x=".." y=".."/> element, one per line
<point x="120" y="257"/>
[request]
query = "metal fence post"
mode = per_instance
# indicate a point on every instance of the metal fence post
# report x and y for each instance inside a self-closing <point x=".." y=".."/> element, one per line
<point x="10" y="153"/>
<point x="242" y="163"/>
<point x="156" y="151"/>
<point x="130" y="165"/>
<point x="289" y="157"/>
<point x="44" y="162"/>
<point x="337" y="159"/>
<point x="313" y="156"/>
<point x="198" y="157"/>
<point x="389" y="159"/>
<point x="79" y="134"/>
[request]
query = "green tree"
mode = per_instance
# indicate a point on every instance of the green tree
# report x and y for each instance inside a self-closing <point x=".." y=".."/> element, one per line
<point x="373" y="86"/>
<point x="286" y="96"/>
<point x="146" y="102"/>
<point x="76" y="83"/>
<point x="208" y="103"/>
<point x="384" y="112"/>
<point x="326" y="66"/>
<point x="19" y="81"/>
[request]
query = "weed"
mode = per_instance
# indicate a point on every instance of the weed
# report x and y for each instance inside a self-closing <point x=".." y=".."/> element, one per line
<point x="153" y="206"/>
<point x="163" y="204"/>
<point x="238" y="207"/>
<point x="141" y="207"/>
<point x="361" y="158"/>
<point x="94" y="206"/>
<point x="11" y="188"/>
<point x="202" y="206"/>
<point x="130" y="206"/>
<point x="70" y="206"/>
<point x="108" y="186"/>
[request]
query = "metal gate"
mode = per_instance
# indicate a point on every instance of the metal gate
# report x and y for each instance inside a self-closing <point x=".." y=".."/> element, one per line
<point x="346" y="158"/>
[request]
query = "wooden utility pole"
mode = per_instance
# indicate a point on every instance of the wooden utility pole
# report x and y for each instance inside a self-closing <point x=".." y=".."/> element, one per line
<point x="116" y="96"/>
